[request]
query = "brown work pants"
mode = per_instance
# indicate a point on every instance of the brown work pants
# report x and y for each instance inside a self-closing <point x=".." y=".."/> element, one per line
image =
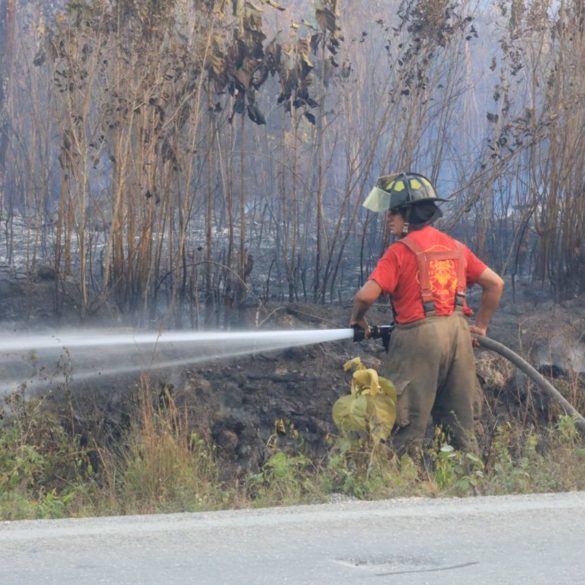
<point x="431" y="363"/>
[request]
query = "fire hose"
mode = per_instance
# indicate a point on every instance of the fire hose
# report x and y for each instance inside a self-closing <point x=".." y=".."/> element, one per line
<point x="384" y="332"/>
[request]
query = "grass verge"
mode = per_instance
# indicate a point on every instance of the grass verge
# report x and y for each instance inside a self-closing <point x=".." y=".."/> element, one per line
<point x="160" y="465"/>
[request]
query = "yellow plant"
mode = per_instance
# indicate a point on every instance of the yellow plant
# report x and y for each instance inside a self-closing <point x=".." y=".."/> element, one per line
<point x="371" y="406"/>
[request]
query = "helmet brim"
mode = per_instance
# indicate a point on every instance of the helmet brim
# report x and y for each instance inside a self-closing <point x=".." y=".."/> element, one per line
<point x="419" y="201"/>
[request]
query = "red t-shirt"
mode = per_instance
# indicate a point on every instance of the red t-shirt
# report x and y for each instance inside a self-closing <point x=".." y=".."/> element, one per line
<point x="397" y="275"/>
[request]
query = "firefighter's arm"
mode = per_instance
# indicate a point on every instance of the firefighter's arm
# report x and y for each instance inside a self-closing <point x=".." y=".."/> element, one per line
<point x="492" y="287"/>
<point x="362" y="301"/>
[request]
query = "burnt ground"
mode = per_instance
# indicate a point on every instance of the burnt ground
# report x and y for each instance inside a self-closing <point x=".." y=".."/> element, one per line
<point x="246" y="404"/>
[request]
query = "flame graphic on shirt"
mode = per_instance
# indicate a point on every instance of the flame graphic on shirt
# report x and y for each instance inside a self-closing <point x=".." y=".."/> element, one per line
<point x="443" y="279"/>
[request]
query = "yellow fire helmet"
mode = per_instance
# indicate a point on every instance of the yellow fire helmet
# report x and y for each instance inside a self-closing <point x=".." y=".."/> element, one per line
<point x="400" y="190"/>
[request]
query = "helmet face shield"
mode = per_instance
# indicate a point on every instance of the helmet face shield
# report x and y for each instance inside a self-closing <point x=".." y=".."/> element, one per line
<point x="377" y="200"/>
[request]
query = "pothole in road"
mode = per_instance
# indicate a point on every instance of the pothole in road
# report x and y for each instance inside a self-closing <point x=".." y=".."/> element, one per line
<point x="398" y="565"/>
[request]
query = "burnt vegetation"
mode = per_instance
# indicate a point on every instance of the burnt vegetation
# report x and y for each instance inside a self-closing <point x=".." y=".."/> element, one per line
<point x="179" y="159"/>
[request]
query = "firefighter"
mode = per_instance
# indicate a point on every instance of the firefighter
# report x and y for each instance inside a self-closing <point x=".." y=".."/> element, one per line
<point x="426" y="274"/>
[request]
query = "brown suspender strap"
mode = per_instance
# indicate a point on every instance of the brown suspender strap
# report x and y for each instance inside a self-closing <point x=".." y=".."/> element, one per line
<point x="423" y="258"/>
<point x="461" y="278"/>
<point x="423" y="273"/>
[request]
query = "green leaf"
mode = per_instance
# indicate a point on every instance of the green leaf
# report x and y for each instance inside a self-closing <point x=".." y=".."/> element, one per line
<point x="381" y="411"/>
<point x="367" y="380"/>
<point x="388" y="388"/>
<point x="350" y="413"/>
<point x="474" y="459"/>
<point x="356" y="362"/>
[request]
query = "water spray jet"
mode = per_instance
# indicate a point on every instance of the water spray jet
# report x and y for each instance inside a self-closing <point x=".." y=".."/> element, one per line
<point x="255" y="339"/>
<point x="127" y="352"/>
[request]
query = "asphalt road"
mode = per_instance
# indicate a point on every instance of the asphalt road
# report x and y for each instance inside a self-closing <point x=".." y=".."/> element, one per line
<point x="536" y="539"/>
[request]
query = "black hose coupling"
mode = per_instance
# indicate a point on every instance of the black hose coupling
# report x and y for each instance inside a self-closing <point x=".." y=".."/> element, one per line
<point x="359" y="333"/>
<point x="382" y="332"/>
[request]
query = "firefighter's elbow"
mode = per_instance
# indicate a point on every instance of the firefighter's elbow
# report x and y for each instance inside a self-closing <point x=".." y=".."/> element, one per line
<point x="491" y="281"/>
<point x="368" y="294"/>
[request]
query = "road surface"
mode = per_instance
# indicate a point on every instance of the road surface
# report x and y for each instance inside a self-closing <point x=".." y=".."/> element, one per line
<point x="535" y="539"/>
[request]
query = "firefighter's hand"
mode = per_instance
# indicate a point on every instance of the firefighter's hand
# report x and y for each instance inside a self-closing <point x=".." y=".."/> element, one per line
<point x="364" y="325"/>
<point x="477" y="330"/>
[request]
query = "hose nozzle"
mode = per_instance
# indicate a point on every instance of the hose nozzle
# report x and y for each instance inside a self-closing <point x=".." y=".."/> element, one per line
<point x="382" y="332"/>
<point x="359" y="333"/>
